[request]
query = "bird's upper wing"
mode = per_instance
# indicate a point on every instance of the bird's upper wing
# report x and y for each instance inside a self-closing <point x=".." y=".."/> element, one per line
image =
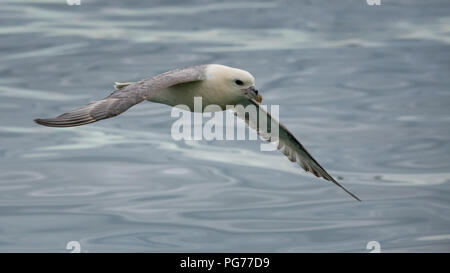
<point x="287" y="143"/>
<point x="122" y="99"/>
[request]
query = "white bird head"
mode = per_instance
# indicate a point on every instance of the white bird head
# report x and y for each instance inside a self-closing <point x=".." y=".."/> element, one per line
<point x="236" y="81"/>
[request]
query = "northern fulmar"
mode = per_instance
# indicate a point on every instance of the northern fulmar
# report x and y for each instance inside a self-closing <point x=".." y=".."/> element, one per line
<point x="215" y="84"/>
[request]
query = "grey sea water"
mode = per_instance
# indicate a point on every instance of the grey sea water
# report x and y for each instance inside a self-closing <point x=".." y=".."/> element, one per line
<point x="365" y="88"/>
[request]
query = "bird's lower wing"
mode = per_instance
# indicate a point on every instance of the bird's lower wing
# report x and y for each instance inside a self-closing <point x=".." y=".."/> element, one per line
<point x="92" y="112"/>
<point x="127" y="95"/>
<point x="286" y="143"/>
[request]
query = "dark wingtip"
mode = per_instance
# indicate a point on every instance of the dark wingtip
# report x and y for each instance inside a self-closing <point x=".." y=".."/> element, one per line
<point x="351" y="194"/>
<point x="347" y="191"/>
<point x="59" y="123"/>
<point x="42" y="122"/>
<point x="38" y="121"/>
<point x="356" y="197"/>
<point x="330" y="178"/>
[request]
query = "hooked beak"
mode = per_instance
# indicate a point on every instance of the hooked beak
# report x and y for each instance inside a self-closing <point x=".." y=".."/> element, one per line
<point x="253" y="94"/>
<point x="259" y="98"/>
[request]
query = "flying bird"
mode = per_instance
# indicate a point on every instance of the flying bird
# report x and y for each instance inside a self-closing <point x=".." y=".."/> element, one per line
<point x="216" y="84"/>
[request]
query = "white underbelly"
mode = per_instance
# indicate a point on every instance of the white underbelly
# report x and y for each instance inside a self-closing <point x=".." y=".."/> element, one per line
<point x="184" y="94"/>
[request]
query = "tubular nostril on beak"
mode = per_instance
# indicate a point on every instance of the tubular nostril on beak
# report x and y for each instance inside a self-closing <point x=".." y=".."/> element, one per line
<point x="252" y="90"/>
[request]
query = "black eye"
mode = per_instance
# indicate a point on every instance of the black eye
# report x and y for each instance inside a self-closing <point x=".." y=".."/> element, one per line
<point x="238" y="82"/>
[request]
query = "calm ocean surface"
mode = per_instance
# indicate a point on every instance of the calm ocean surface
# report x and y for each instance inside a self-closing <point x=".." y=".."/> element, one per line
<point x="365" y="88"/>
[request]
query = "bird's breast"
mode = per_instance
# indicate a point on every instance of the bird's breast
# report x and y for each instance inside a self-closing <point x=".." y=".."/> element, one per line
<point x="185" y="94"/>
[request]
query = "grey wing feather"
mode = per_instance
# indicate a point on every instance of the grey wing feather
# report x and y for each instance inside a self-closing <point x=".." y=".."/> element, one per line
<point x="291" y="147"/>
<point x="121" y="100"/>
<point x="92" y="112"/>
